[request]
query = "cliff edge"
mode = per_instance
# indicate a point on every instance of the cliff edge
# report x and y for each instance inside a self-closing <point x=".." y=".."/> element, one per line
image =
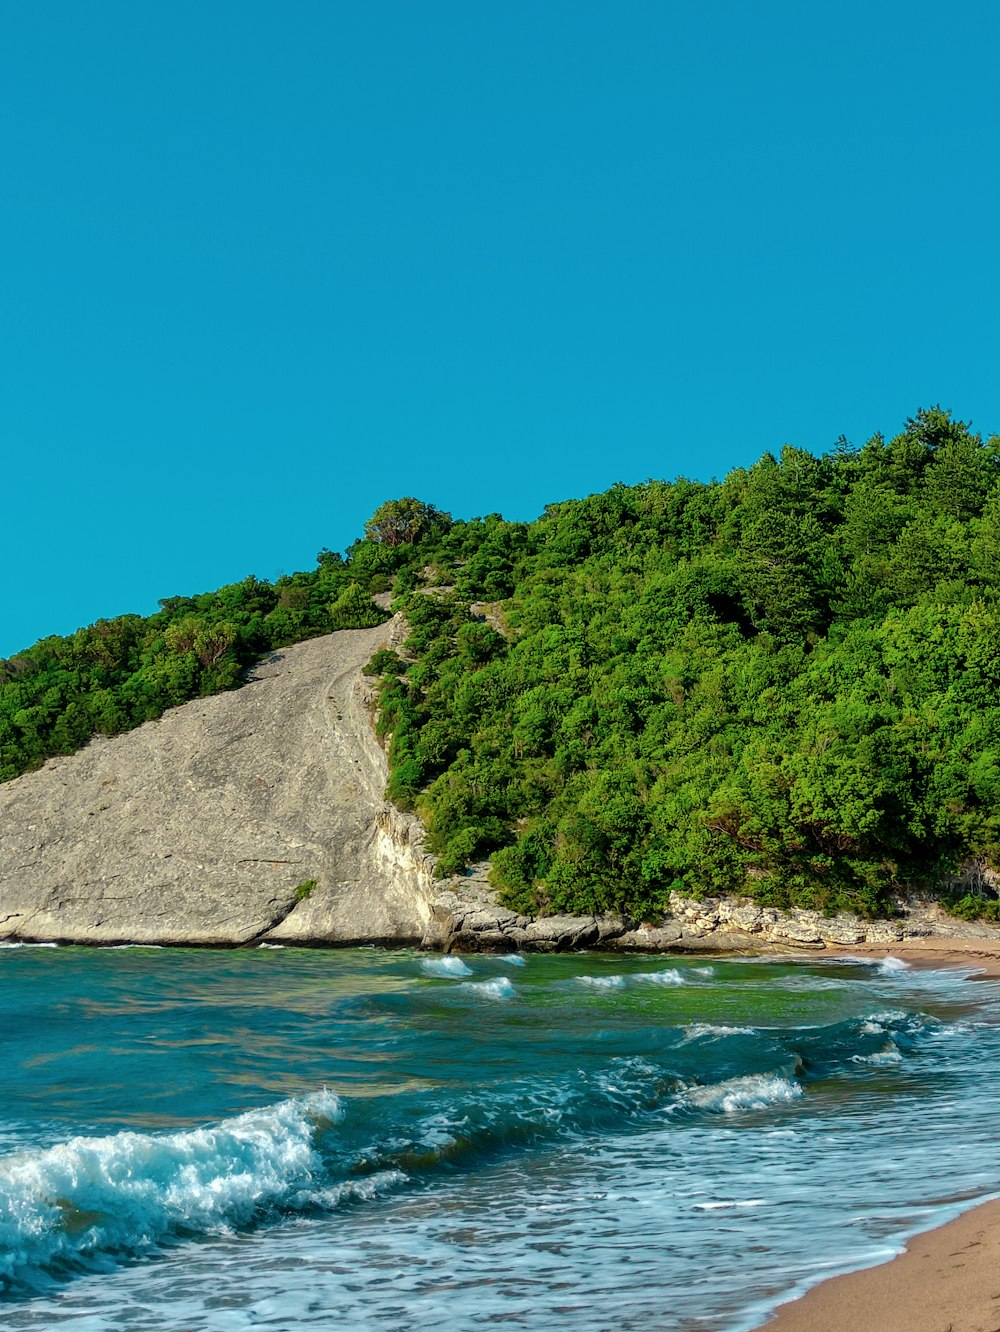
<point x="251" y="815"/>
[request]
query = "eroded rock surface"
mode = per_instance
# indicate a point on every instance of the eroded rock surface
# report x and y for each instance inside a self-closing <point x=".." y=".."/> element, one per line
<point x="209" y="825"/>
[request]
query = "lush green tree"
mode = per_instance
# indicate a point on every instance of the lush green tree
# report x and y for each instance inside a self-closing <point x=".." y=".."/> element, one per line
<point x="403" y="522"/>
<point x="770" y="685"/>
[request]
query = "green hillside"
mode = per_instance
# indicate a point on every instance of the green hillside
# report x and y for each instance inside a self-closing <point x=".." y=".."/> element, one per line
<point x="784" y="683"/>
<point x="117" y="674"/>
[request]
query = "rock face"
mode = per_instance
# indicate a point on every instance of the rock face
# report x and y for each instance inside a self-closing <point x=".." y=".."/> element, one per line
<point x="259" y="815"/>
<point x="209" y="825"/>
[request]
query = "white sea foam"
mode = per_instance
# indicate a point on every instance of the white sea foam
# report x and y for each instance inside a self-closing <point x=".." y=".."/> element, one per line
<point x="705" y="971"/>
<point x="670" y="976"/>
<point x="880" y="1058"/>
<point x="497" y="988"/>
<point x="942" y="1032"/>
<point x="875" y="1022"/>
<point x="512" y="959"/>
<point x="20" y="943"/>
<point x="445" y="966"/>
<point x="699" y="1030"/>
<point x="356" y="1190"/>
<point x="891" y="966"/>
<point x="870" y="1028"/>
<point x="125" y="1192"/>
<point x="729" y="1203"/>
<point x="755" y="1092"/>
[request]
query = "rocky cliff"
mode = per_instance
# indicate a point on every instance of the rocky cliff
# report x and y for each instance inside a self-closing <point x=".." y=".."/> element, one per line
<point x="252" y="815"/>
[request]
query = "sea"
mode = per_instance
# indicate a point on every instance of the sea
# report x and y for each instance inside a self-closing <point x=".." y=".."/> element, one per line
<point x="299" y="1138"/>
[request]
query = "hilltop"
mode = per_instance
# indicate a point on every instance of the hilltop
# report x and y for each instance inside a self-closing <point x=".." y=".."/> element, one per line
<point x="784" y="685"/>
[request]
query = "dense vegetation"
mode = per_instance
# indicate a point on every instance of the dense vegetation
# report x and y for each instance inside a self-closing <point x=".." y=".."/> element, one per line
<point x="119" y="673"/>
<point x="783" y="684"/>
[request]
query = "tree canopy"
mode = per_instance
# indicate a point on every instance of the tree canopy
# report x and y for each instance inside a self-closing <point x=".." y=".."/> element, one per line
<point x="403" y="522"/>
<point x="118" y="673"/>
<point x="784" y="684"/>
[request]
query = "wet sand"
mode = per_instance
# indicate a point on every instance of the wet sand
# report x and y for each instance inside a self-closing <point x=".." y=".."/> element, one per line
<point x="978" y="954"/>
<point x="948" y="1279"/>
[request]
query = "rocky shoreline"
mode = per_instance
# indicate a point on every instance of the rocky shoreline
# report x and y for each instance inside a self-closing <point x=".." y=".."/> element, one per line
<point x="467" y="920"/>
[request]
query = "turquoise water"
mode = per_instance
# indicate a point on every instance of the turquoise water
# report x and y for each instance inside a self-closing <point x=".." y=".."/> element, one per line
<point x="285" y="1138"/>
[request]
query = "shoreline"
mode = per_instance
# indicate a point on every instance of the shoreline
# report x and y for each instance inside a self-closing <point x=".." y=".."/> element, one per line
<point x="947" y="1278"/>
<point x="977" y="955"/>
<point x="981" y="955"/>
<point x="944" y="1280"/>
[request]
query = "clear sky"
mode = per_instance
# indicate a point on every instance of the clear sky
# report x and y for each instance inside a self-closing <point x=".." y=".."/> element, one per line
<point x="265" y="266"/>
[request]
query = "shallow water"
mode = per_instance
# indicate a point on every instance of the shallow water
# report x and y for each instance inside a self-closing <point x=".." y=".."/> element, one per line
<point x="284" y="1138"/>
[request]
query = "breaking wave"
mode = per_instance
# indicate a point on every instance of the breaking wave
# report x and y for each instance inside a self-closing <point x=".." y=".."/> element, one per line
<point x="890" y="966"/>
<point x="448" y="965"/>
<point x="756" y="1092"/>
<point x="497" y="988"/>
<point x="123" y="1194"/>
<point x="669" y="976"/>
<point x="695" y="1031"/>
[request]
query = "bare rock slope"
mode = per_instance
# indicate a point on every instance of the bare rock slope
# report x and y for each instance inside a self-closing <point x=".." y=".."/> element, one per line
<point x="211" y="825"/>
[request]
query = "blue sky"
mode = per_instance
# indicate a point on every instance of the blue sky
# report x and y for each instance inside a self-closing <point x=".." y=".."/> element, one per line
<point x="266" y="266"/>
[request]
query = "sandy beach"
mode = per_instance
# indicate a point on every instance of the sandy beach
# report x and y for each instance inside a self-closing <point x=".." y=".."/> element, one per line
<point x="936" y="951"/>
<point x="948" y="1279"/>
